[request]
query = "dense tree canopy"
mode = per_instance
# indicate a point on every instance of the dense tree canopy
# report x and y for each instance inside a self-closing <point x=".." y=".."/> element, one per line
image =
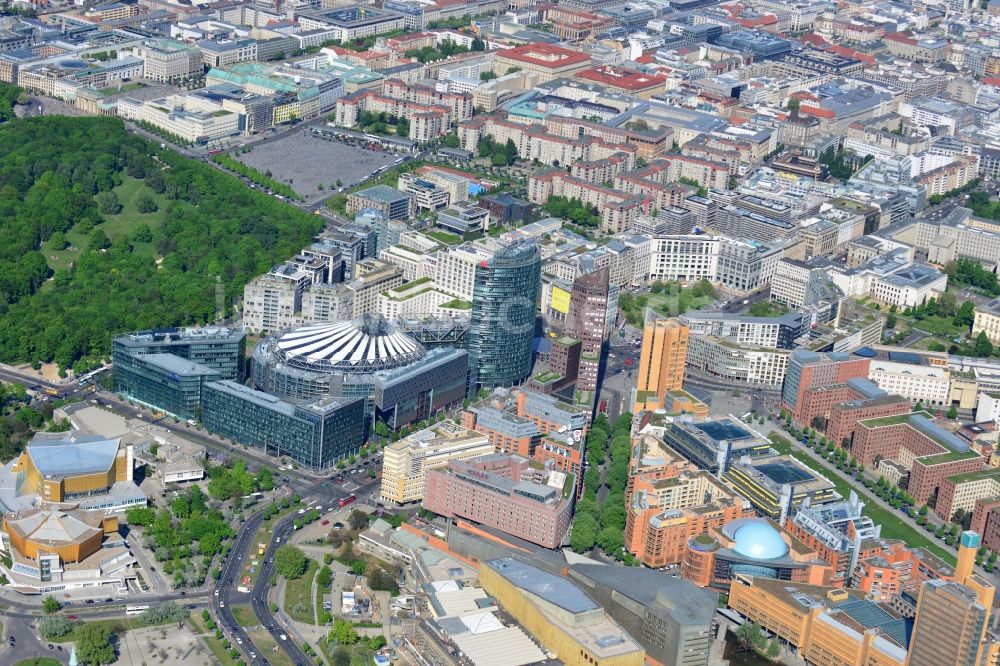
<point x="8" y="96"/>
<point x="54" y="173"/>
<point x="290" y="562"/>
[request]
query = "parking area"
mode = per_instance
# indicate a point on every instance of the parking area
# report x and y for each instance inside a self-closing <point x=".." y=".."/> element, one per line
<point x="308" y="163"/>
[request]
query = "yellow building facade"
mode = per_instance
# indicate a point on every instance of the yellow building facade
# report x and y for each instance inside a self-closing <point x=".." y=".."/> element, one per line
<point x="563" y="619"/>
<point x="661" y="362"/>
<point x="60" y="468"/>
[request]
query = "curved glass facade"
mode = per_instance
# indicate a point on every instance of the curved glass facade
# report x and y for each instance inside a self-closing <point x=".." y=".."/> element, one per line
<point x="504" y="307"/>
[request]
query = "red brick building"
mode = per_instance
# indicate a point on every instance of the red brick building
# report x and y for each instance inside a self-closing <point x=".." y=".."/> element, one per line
<point x="811" y="370"/>
<point x="887" y="567"/>
<point x="930" y="453"/>
<point x="533" y="425"/>
<point x="504" y="492"/>
<point x="844" y="416"/>
<point x="986" y="521"/>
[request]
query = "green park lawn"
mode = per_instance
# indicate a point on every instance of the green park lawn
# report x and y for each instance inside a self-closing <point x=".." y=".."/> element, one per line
<point x="298" y="597"/>
<point x="115" y="226"/>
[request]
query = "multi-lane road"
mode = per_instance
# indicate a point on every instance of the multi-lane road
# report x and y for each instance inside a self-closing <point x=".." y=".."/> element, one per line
<point x="313" y="490"/>
<point x="325" y="493"/>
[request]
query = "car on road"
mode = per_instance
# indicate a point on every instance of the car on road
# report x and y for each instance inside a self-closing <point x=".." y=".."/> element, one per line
<point x="283" y="637"/>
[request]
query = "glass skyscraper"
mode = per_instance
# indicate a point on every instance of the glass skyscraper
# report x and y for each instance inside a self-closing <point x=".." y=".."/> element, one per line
<point x="504" y="305"/>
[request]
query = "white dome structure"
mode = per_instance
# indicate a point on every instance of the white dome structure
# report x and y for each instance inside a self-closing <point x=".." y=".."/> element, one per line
<point x="365" y="345"/>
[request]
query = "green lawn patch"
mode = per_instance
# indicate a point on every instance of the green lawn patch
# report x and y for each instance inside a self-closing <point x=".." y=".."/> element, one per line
<point x="892" y="526"/>
<point x="298" y="597"/>
<point x="263" y="640"/>
<point x="114" y="626"/>
<point x="245" y="616"/>
<point x="767" y="309"/>
<point x="39" y="661"/>
<point x="197" y="623"/>
<point x="128" y="87"/>
<point x="941" y="326"/>
<point x="445" y="237"/>
<point x="221" y="653"/>
<point x="115" y="226"/>
<point x="457" y="304"/>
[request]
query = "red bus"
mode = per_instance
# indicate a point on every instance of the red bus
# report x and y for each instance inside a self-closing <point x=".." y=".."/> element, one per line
<point x="344" y="501"/>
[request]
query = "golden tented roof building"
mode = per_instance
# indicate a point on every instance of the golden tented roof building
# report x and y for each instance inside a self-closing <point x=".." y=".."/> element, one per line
<point x="59" y="548"/>
<point x="91" y="471"/>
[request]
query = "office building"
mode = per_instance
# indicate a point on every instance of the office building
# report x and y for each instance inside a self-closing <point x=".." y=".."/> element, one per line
<point x="836" y="531"/>
<point x="777" y="485"/>
<point x="661" y="362"/>
<point x="587" y="322"/>
<point x="972" y="493"/>
<point x="222" y="349"/>
<point x="351" y="22"/>
<point x="987" y="318"/>
<point x="670" y="618"/>
<point x="744" y="331"/>
<point x="811" y="370"/>
<point x="317" y="433"/>
<point x="463" y="218"/>
<point x="728" y="361"/>
<point x="405" y="463"/>
<point x="504" y="305"/>
<point x="913" y="440"/>
<point x="166" y="60"/>
<point x="506" y="492"/>
<point x="713" y="445"/>
<point x="908" y="287"/>
<point x="949" y="627"/>
<point x="888" y="570"/>
<point x="534" y="425"/>
<point x="917" y="375"/>
<point x="669" y="501"/>
<point x="548" y="61"/>
<point x="857" y="400"/>
<point x="556" y="612"/>
<point x="165" y="382"/>
<point x="825" y="625"/>
<point x="391" y="203"/>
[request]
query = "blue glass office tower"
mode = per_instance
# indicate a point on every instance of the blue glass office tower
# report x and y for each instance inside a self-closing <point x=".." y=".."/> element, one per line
<point x="504" y="305"/>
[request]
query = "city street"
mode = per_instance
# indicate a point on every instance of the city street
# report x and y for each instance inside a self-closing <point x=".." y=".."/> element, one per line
<point x="325" y="493"/>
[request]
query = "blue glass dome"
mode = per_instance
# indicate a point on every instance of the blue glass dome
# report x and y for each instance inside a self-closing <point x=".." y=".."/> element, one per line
<point x="758" y="540"/>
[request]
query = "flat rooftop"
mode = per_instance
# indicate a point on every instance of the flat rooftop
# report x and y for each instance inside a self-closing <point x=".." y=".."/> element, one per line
<point x="553" y="589"/>
<point x="722" y="430"/>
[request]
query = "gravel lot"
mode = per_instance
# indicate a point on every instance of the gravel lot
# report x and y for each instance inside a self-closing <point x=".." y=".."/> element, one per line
<point x="305" y="162"/>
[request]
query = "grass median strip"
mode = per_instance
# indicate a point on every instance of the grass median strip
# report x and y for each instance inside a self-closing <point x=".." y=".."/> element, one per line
<point x="298" y="595"/>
